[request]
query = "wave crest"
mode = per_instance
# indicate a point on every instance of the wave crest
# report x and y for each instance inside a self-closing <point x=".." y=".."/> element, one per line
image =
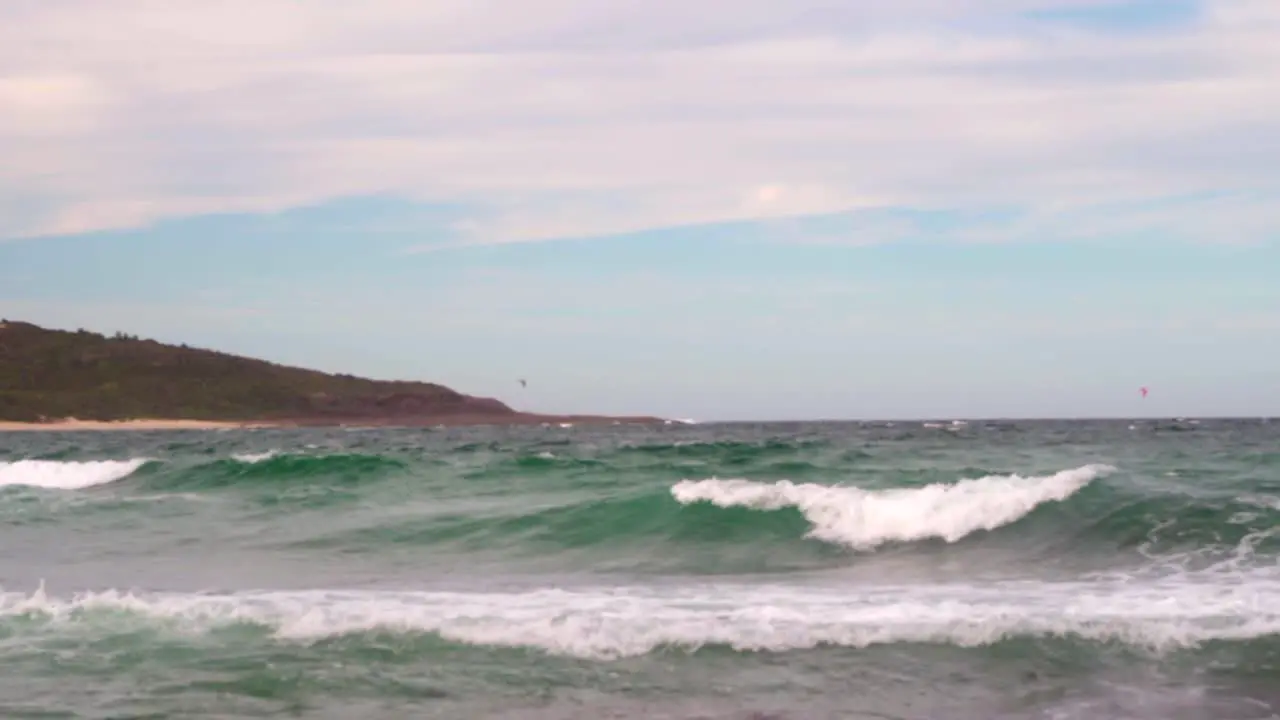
<point x="255" y="458"/>
<point x="66" y="475"/>
<point x="616" y="622"/>
<point x="865" y="519"/>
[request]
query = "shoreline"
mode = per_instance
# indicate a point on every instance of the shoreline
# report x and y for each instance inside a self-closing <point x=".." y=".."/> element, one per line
<point x="72" y="425"/>
<point x="75" y="425"/>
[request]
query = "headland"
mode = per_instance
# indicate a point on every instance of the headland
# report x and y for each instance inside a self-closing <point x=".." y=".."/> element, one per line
<point x="69" y="381"/>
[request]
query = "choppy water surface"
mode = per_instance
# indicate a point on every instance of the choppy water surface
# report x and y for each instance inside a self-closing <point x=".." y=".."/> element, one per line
<point x="983" y="570"/>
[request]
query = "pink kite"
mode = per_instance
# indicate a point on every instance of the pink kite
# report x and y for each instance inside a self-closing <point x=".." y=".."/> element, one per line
<point x="1143" y="391"/>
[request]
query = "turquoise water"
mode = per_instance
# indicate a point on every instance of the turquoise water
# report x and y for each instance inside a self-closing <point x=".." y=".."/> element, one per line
<point x="981" y="570"/>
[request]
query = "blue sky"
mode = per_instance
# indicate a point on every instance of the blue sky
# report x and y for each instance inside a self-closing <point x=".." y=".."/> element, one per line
<point x="758" y="210"/>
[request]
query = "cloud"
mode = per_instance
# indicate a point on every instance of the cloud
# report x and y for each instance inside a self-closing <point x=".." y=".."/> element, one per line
<point x="1223" y="218"/>
<point x="555" y="118"/>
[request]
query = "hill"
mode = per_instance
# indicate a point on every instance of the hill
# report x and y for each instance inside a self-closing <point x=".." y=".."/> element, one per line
<point x="52" y="374"/>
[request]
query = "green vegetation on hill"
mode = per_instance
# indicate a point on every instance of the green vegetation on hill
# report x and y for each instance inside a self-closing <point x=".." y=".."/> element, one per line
<point x="52" y="374"/>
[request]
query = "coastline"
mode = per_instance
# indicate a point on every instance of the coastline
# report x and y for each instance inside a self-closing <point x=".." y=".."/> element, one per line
<point x="87" y="371"/>
<point x="75" y="425"/>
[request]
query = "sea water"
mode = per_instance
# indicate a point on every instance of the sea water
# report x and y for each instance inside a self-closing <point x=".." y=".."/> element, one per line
<point x="981" y="570"/>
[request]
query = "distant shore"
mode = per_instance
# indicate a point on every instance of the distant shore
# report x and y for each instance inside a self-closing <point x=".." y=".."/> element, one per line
<point x="72" y="425"/>
<point x="75" y="425"/>
<point x="49" y="379"/>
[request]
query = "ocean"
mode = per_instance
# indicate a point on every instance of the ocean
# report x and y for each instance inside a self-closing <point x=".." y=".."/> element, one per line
<point x="977" y="571"/>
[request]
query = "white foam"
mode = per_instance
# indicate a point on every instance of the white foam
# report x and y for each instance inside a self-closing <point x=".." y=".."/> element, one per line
<point x="864" y="519"/>
<point x="255" y="458"/>
<point x="1269" y="503"/>
<point x="607" y="623"/>
<point x="58" y="475"/>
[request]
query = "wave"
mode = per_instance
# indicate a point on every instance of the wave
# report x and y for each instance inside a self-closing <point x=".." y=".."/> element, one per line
<point x="255" y="458"/>
<point x="730" y="526"/>
<point x="727" y="450"/>
<point x="272" y="466"/>
<point x="633" y="519"/>
<point x="277" y="468"/>
<point x="615" y="622"/>
<point x="541" y="461"/>
<point x="864" y="519"/>
<point x="66" y="475"/>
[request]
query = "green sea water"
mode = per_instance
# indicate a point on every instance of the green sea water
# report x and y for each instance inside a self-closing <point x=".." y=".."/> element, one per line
<point x="1096" y="570"/>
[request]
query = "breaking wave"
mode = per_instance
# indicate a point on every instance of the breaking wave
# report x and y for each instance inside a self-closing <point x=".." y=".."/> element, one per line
<point x="255" y="458"/>
<point x="63" y="475"/>
<point x="615" y="622"/>
<point x="864" y="519"/>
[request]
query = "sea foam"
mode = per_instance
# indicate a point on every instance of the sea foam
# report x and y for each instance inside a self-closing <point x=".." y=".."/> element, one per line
<point x="255" y="458"/>
<point x="59" y="475"/>
<point x="865" y="519"/>
<point x="615" y="622"/>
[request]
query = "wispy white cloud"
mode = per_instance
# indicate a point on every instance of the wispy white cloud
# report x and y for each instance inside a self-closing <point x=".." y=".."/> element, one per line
<point x="568" y="118"/>
<point x="1221" y="218"/>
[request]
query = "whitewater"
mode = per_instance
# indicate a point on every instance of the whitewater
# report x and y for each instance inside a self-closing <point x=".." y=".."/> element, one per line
<point x="863" y="519"/>
<point x="809" y="570"/>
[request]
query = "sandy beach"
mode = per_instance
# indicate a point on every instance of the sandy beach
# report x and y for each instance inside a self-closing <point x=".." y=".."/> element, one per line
<point x="72" y="424"/>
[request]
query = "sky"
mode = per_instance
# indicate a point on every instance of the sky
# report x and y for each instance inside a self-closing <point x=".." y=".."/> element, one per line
<point x="721" y="210"/>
